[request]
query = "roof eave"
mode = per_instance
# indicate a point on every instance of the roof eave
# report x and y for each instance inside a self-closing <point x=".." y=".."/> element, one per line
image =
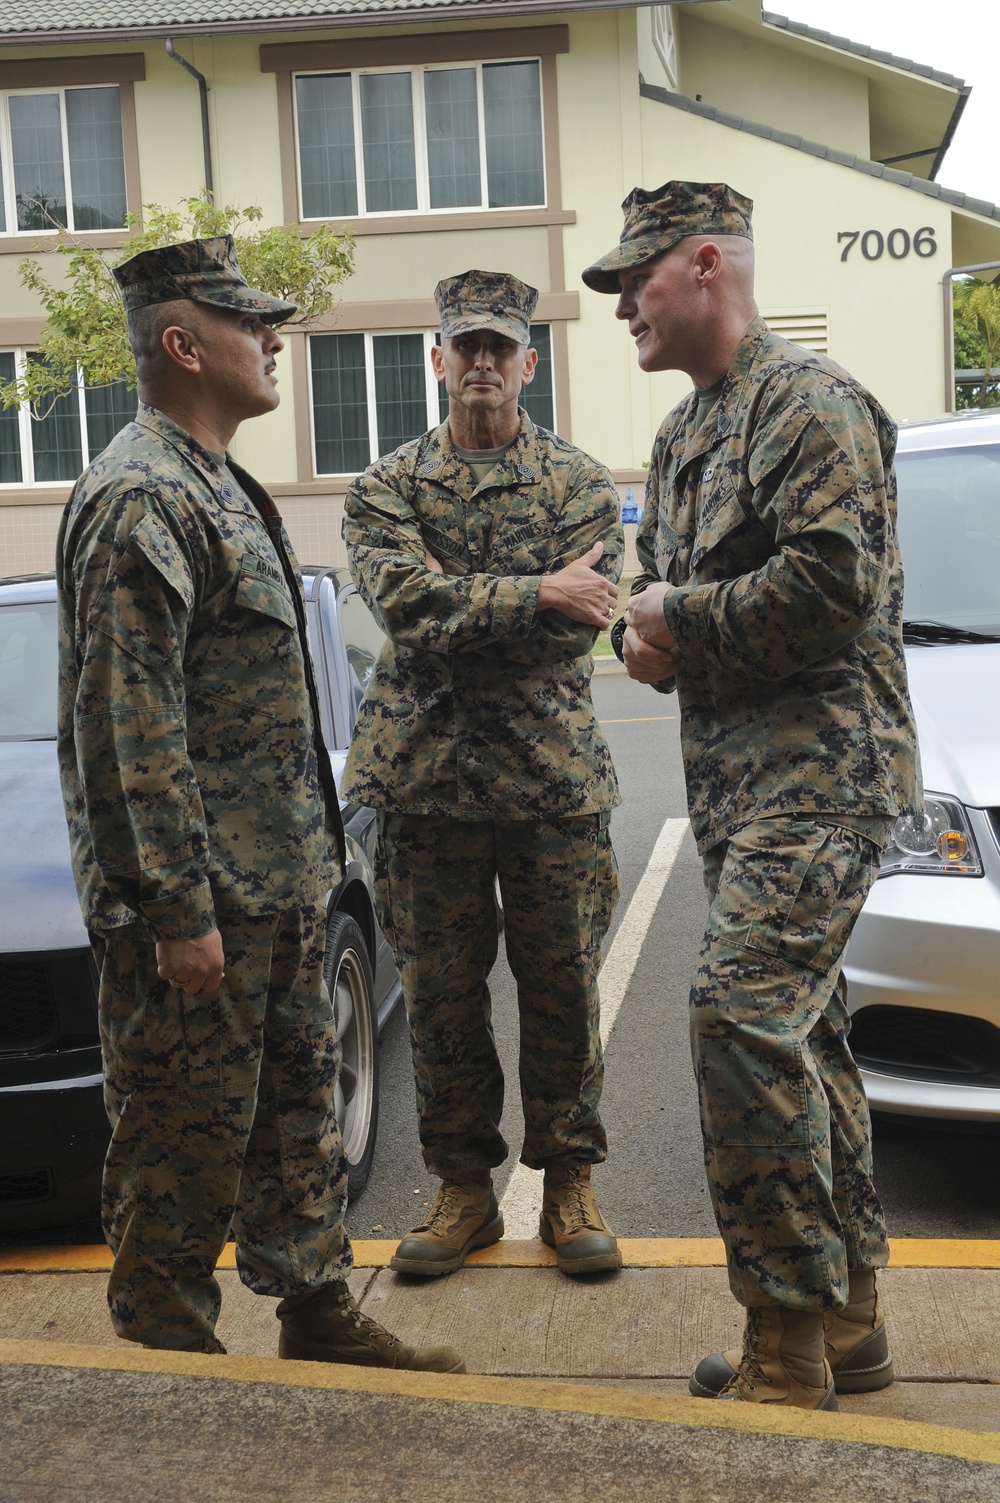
<point x="492" y="10"/>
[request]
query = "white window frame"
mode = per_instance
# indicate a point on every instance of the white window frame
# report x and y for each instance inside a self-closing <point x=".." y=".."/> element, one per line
<point x="25" y="420"/>
<point x="420" y="144"/>
<point x="432" y="391"/>
<point x="7" y="155"/>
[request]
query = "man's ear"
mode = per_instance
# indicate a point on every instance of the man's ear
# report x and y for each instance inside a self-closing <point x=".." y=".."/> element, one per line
<point x="183" y="348"/>
<point x="708" y="263"/>
<point x="528" y="368"/>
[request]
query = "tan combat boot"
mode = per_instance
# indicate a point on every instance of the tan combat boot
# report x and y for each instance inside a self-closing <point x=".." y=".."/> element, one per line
<point x="857" y="1348"/>
<point x="783" y="1360"/>
<point x="464" y="1215"/>
<point x="326" y="1325"/>
<point x="572" y="1224"/>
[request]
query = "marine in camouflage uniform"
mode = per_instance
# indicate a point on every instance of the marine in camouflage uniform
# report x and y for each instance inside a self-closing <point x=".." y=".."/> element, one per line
<point x="201" y="803"/>
<point x="770" y="516"/>
<point x="478" y="744"/>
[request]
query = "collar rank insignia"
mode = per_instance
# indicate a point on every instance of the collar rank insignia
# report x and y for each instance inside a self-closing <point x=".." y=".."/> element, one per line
<point x="428" y="467"/>
<point x="525" y="471"/>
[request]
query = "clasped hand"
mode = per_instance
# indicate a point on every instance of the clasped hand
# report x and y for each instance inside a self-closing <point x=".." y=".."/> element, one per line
<point x="649" y="649"/>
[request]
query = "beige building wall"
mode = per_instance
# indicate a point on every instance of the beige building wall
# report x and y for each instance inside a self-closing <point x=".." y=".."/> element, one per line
<point x="882" y="318"/>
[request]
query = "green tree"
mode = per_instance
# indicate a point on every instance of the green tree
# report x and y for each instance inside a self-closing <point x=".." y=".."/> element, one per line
<point x="977" y="340"/>
<point x="85" y="336"/>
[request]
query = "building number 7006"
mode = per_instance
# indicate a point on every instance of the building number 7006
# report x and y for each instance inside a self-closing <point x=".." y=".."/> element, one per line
<point x="898" y="243"/>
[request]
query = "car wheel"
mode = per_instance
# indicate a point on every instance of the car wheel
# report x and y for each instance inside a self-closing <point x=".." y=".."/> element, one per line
<point x="348" y="973"/>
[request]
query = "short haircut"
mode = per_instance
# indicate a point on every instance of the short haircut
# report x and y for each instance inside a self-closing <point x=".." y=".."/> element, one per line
<point x="145" y="332"/>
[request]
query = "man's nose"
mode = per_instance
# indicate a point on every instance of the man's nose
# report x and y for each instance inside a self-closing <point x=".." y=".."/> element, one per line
<point x="273" y="341"/>
<point x="625" y="306"/>
<point x="484" y="357"/>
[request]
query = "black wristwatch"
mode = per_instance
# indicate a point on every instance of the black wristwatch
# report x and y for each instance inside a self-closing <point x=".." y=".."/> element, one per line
<point x="617" y="635"/>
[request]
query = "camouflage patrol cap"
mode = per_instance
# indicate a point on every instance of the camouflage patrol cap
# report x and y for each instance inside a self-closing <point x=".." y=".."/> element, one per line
<point x="204" y="271"/>
<point x="657" y="220"/>
<point x="476" y="300"/>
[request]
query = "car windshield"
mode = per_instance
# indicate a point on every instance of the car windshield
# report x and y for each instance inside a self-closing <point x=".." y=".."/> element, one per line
<point x="28" y="672"/>
<point x="949" y="535"/>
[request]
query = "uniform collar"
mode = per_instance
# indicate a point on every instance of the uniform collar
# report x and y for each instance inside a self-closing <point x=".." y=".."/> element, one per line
<point x="204" y="461"/>
<point x="693" y="442"/>
<point x="520" y="465"/>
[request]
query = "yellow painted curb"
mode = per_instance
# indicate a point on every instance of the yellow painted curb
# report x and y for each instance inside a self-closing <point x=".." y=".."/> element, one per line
<point x="519" y="1393"/>
<point x="639" y="1252"/>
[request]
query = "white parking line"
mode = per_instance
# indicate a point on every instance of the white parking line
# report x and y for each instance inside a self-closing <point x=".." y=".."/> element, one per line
<point x="523" y="1194"/>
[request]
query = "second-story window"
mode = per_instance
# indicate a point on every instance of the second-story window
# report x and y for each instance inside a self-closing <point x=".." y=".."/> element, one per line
<point x="421" y="139"/>
<point x="61" y="160"/>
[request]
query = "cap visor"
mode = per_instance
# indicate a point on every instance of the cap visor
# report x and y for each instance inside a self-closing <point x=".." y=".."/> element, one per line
<point x="271" y="310"/>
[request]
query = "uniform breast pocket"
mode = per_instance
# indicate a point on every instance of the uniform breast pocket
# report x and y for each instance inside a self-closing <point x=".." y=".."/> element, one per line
<point x="255" y="659"/>
<point x="723" y="544"/>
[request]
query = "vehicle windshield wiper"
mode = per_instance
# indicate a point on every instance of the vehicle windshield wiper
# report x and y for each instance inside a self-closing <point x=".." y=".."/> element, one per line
<point x="926" y="633"/>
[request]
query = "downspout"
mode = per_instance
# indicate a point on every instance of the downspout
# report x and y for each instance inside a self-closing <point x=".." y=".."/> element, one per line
<point x="206" y="139"/>
<point x="949" y="325"/>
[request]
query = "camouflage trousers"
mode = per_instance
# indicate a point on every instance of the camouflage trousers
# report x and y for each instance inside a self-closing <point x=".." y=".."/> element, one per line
<point x="785" y="1120"/>
<point x="222" y="1117"/>
<point x="559" y="885"/>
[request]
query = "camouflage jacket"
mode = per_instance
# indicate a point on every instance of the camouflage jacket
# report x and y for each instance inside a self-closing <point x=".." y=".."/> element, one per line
<point x="479" y="706"/>
<point x="193" y="772"/>
<point x="776" y="520"/>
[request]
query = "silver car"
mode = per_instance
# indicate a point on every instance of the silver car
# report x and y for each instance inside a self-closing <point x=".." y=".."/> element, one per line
<point x="923" y="965"/>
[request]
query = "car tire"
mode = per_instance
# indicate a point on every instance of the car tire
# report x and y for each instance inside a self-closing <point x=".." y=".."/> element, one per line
<point x="348" y="973"/>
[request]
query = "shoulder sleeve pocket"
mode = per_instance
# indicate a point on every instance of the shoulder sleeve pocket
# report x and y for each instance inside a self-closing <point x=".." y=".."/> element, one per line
<point x="131" y="609"/>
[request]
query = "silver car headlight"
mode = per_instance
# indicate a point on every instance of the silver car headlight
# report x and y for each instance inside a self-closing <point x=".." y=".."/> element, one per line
<point x="939" y="841"/>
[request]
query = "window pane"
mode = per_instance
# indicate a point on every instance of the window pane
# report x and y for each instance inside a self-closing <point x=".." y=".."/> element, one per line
<point x="400" y="389"/>
<point x="326" y="146"/>
<point x="36" y="146"/>
<point x="28" y="673"/>
<point x="512" y="102"/>
<point x="3" y="201"/>
<point x="340" y="403"/>
<point x="96" y="161"/>
<point x="537" y="399"/>
<point x="55" y="439"/>
<point x="109" y="408"/>
<point x="387" y="132"/>
<point x="10" y="438"/>
<point x="452" y="137"/>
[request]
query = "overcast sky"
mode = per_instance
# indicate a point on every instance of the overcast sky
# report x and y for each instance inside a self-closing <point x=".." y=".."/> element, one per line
<point x="961" y="37"/>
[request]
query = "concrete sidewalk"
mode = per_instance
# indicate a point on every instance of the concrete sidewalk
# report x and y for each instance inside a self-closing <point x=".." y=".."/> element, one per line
<point x="577" y="1390"/>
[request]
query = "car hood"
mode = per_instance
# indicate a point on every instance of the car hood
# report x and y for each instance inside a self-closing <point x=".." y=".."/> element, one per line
<point x="955" y="700"/>
<point x="38" y="903"/>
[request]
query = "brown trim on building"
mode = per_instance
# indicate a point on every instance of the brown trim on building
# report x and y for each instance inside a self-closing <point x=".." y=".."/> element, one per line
<point x="560" y="379"/>
<point x="34" y="495"/>
<point x="288" y="154"/>
<point x="471" y="219"/>
<point x="20" y="331"/>
<point x="130" y="148"/>
<point x="421" y="313"/>
<point x="421" y="47"/>
<point x="25" y="245"/>
<point x="298" y="350"/>
<point x="64" y="72"/>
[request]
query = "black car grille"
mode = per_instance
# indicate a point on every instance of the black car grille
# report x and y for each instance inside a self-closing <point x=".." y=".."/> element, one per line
<point x="28" y="1014"/>
<point x="25" y="1189"/>
<point x="993" y="815"/>
<point x="48" y="1001"/>
<point x="927" y="1045"/>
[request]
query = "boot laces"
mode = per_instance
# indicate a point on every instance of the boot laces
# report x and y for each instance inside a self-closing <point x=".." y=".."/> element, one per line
<point x="750" y="1367"/>
<point x="444" y="1205"/>
<point x="350" y="1310"/>
<point x="576" y="1204"/>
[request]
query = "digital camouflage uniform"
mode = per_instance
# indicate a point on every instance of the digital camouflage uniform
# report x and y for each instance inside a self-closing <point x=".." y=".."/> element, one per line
<point x="775" y="518"/>
<point x="199" y="795"/>
<point x="477" y="742"/>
